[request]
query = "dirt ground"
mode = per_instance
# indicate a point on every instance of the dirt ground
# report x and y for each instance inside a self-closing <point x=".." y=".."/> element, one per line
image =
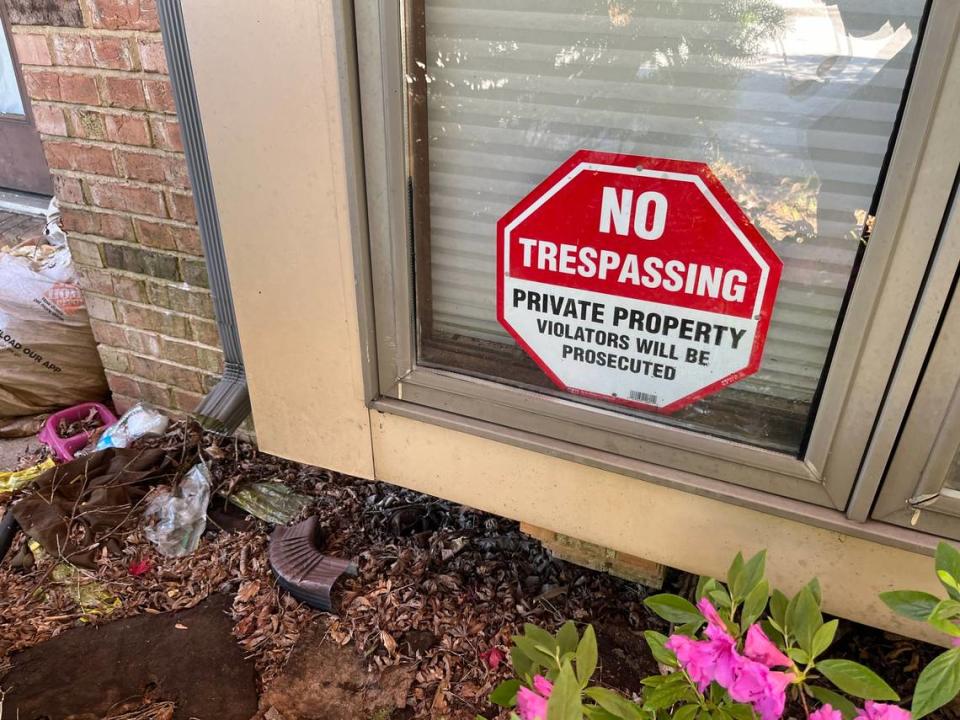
<point x="438" y="586"/>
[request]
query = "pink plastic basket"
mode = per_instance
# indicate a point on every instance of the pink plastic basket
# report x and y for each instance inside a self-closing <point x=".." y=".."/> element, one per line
<point x="64" y="448"/>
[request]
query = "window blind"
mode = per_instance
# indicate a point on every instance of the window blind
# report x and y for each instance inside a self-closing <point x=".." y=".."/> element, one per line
<point x="791" y="102"/>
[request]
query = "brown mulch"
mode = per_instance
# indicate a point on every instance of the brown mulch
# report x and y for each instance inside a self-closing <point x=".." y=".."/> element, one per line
<point x="439" y="585"/>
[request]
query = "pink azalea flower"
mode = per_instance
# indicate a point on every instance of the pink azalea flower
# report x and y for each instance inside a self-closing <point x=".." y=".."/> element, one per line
<point x="882" y="711"/>
<point x="760" y="648"/>
<point x="707" y="609"/>
<point x="706" y="660"/>
<point x="772" y="699"/>
<point x="532" y="704"/>
<point x="826" y="712"/>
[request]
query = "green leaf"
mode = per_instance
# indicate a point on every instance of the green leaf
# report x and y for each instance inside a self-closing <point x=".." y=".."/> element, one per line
<point x="595" y="712"/>
<point x="804" y="618"/>
<point x="668" y="694"/>
<point x="948" y="561"/>
<point x="522" y="665"/>
<point x="943" y="616"/>
<point x="541" y="637"/>
<point x="564" y="702"/>
<point x="755" y="603"/>
<point x="778" y="607"/>
<point x="835" y="700"/>
<point x="673" y="608"/>
<point x="823" y="638"/>
<point x="720" y="598"/>
<point x="689" y="629"/>
<point x="568" y="637"/>
<point x="704" y="584"/>
<point x="739" y="712"/>
<point x="857" y="680"/>
<point x="751" y="574"/>
<point x="686" y="712"/>
<point x="913" y="604"/>
<point x="736" y="567"/>
<point x="801" y="657"/>
<point x="814" y="586"/>
<point x="614" y="703"/>
<point x="938" y="684"/>
<point x="586" y="656"/>
<point x="657" y="643"/>
<point x="505" y="694"/>
<point x="529" y="648"/>
<point x="772" y="630"/>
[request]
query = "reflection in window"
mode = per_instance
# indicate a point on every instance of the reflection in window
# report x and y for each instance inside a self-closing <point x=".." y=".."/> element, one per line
<point x="791" y="102"/>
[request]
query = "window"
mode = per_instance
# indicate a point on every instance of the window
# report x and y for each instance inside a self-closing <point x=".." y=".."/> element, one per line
<point x="803" y="108"/>
<point x="792" y="103"/>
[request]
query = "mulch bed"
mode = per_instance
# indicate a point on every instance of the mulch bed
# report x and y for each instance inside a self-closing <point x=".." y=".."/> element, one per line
<point x="439" y="584"/>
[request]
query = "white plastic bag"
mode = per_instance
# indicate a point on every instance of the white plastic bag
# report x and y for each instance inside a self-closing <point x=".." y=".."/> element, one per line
<point x="175" y="521"/>
<point x="142" y="419"/>
<point x="48" y="357"/>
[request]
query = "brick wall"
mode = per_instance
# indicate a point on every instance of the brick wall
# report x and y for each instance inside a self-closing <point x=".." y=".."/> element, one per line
<point x="97" y="80"/>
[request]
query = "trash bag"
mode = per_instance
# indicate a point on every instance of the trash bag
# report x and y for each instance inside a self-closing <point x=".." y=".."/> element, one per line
<point x="75" y="509"/>
<point x="175" y="521"/>
<point x="14" y="480"/>
<point x="48" y="357"/>
<point x="142" y="419"/>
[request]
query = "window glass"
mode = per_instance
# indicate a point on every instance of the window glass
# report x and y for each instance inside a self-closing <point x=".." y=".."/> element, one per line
<point x="10" y="100"/>
<point x="792" y="103"/>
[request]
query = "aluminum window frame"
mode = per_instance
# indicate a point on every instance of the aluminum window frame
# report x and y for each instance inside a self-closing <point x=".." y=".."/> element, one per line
<point x="914" y="198"/>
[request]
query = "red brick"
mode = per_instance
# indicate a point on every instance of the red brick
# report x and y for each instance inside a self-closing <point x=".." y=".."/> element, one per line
<point x="86" y="124"/>
<point x="73" y="50"/>
<point x="125" y="15"/>
<point x="204" y="331"/>
<point x="125" y="92"/>
<point x="95" y="280"/>
<point x="79" y="89"/>
<point x="180" y="377"/>
<point x="107" y="333"/>
<point x="181" y="207"/>
<point x="119" y="196"/>
<point x="159" y="95"/>
<point x="42" y="84"/>
<point x="88" y="222"/>
<point x="68" y="189"/>
<point x="49" y="120"/>
<point x="185" y="401"/>
<point x="83" y="158"/>
<point x="152" y="58"/>
<point x="142" y="342"/>
<point x="128" y="129"/>
<point x="149" y="318"/>
<point x="122" y="403"/>
<point x="122" y="384"/>
<point x="145" y="167"/>
<point x="129" y="288"/>
<point x="153" y="393"/>
<point x="32" y="49"/>
<point x="166" y="236"/>
<point x="166" y="134"/>
<point x="112" y="53"/>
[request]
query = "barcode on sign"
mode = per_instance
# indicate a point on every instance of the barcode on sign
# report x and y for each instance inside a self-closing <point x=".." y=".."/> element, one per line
<point x="643" y="397"/>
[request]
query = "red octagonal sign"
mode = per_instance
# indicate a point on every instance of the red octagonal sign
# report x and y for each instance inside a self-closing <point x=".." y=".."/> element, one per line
<point x="635" y="280"/>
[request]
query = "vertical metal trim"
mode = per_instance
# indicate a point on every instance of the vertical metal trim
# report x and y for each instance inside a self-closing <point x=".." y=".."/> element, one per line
<point x="228" y="404"/>
<point x="348" y="77"/>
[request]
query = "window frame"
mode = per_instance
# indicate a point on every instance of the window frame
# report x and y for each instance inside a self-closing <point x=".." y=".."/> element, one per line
<point x="915" y="196"/>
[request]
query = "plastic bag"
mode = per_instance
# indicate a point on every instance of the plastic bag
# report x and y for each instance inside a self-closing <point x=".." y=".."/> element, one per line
<point x="48" y="357"/>
<point x="175" y="521"/>
<point x="140" y="420"/>
<point x="18" y="479"/>
<point x="272" y="502"/>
